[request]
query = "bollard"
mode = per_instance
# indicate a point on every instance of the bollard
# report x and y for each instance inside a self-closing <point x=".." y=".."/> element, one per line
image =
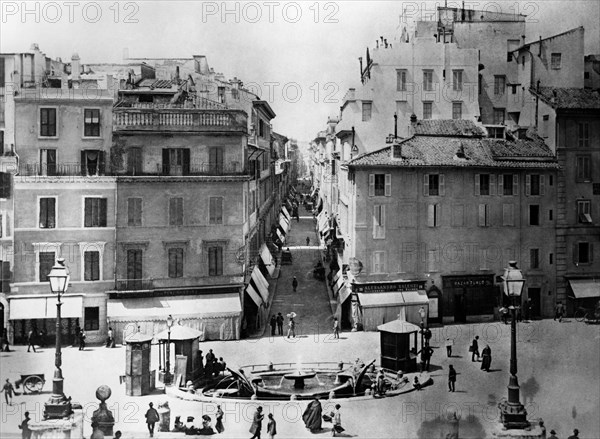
<point x="103" y="417"/>
<point x="164" y="415"/>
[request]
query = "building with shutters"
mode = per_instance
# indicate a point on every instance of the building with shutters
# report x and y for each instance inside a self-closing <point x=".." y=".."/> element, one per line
<point x="451" y="206"/>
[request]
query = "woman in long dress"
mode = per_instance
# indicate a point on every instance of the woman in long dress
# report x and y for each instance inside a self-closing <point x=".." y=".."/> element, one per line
<point x="312" y="416"/>
<point x="219" y="425"/>
<point x="486" y="362"/>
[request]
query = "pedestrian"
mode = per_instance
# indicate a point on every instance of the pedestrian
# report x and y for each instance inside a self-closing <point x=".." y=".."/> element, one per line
<point x="449" y="344"/>
<point x="575" y="435"/>
<point x="31" y="340"/>
<point x="279" y="323"/>
<point x="312" y="415"/>
<point x="109" y="340"/>
<point x="426" y="354"/>
<point x="291" y="326"/>
<point x="504" y="314"/>
<point x="273" y="323"/>
<point x="486" y="355"/>
<point x="451" y="379"/>
<point x="9" y="391"/>
<point x="417" y="384"/>
<point x="307" y="241"/>
<point x="337" y="421"/>
<point x="271" y="426"/>
<point x="257" y="423"/>
<point x="82" y="340"/>
<point x="219" y="425"/>
<point x="4" y="345"/>
<point x="558" y="311"/>
<point x="151" y="419"/>
<point x="336" y="328"/>
<point x="528" y="309"/>
<point x="24" y="427"/>
<point x="295" y="284"/>
<point x="200" y="363"/>
<point x="210" y="362"/>
<point x="552" y="435"/>
<point x="474" y="348"/>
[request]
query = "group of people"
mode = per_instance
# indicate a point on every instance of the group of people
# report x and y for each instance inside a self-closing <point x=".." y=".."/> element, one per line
<point x="212" y="367"/>
<point x="276" y="322"/>
<point x="486" y="354"/>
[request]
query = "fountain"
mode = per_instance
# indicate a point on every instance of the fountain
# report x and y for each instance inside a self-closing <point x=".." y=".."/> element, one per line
<point x="299" y="376"/>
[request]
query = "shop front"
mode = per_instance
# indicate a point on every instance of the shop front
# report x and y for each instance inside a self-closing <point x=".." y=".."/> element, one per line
<point x="470" y="298"/>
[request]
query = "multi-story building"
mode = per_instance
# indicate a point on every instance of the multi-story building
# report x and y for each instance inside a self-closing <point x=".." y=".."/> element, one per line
<point x="451" y="206"/>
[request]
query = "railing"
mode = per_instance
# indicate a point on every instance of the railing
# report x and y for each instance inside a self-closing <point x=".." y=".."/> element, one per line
<point x="178" y="119"/>
<point x="231" y="168"/>
<point x="134" y="284"/>
<point x="198" y="103"/>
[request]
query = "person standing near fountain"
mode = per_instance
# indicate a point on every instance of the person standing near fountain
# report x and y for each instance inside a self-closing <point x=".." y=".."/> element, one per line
<point x="336" y="328"/>
<point x="257" y="423"/>
<point x="337" y="421"/>
<point x="279" y="320"/>
<point x="312" y="416"/>
<point x="291" y="325"/>
<point x="271" y="427"/>
<point x="273" y="323"/>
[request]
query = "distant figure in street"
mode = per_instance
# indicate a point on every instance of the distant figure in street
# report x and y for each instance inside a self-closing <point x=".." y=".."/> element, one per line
<point x="337" y="421"/>
<point x="417" y="384"/>
<point x="451" y="379"/>
<point x="110" y="342"/>
<point x="257" y="423"/>
<point x="9" y="391"/>
<point x="291" y="327"/>
<point x="31" y="340"/>
<point x="81" y="340"/>
<point x="210" y="362"/>
<point x="4" y="345"/>
<point x="151" y="419"/>
<point x="312" y="416"/>
<point x="426" y="354"/>
<point x="24" y="427"/>
<point x="200" y="363"/>
<point x="504" y="314"/>
<point x="336" y="328"/>
<point x="475" y="348"/>
<point x="575" y="435"/>
<point x="273" y="323"/>
<point x="552" y="435"/>
<point x="271" y="426"/>
<point x="219" y="425"/>
<point x="307" y="241"/>
<point x="279" y="323"/>
<point x="559" y="311"/>
<point x="295" y="284"/>
<point x="528" y="308"/>
<point x="486" y="354"/>
<point x="449" y="344"/>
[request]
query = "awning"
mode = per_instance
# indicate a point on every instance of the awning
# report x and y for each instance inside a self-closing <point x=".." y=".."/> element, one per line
<point x="285" y="212"/>
<point x="158" y="308"/>
<point x="415" y="297"/>
<point x="393" y="298"/>
<point x="345" y="292"/>
<point x="261" y="284"/>
<point x="337" y="275"/>
<point x="281" y="230"/>
<point x="178" y="333"/>
<point x="585" y="288"/>
<point x="339" y="283"/>
<point x="399" y="327"/>
<point x="280" y="235"/>
<point x="267" y="258"/>
<point x="45" y="307"/>
<point x="254" y="295"/>
<point x="284" y="224"/>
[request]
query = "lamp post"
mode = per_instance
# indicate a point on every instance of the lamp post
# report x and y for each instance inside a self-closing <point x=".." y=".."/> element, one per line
<point x="58" y="406"/>
<point x="512" y="412"/>
<point x="422" y="331"/>
<point x="168" y="371"/>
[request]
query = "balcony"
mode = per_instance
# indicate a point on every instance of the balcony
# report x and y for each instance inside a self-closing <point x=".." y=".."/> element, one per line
<point x="174" y="286"/>
<point x="208" y="169"/>
<point x="158" y="119"/>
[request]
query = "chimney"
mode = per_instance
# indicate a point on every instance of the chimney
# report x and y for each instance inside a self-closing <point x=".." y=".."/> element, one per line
<point x="64" y="81"/>
<point x="75" y="67"/>
<point x="125" y="53"/>
<point x="201" y="64"/>
<point x="395" y="126"/>
<point x="413" y="124"/>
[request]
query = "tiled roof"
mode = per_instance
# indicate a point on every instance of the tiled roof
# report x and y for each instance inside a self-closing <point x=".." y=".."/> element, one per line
<point x="569" y="98"/>
<point x="451" y="127"/>
<point x="420" y="151"/>
<point x="156" y="83"/>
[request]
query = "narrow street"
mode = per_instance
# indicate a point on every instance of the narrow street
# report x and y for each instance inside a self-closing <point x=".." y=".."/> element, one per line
<point x="310" y="302"/>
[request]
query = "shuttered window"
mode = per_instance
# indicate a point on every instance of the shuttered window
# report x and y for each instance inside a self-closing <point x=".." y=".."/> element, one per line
<point x="175" y="262"/>
<point x="47" y="213"/>
<point x="91" y="265"/>
<point x="134" y="211"/>
<point x="433" y="215"/>
<point x="379" y="221"/>
<point x="508" y="214"/>
<point x="215" y="261"/>
<point x="95" y="212"/>
<point x="46" y="262"/>
<point x="216" y="210"/>
<point x="134" y="269"/>
<point x="176" y="211"/>
<point x="48" y="122"/>
<point x="484" y="215"/>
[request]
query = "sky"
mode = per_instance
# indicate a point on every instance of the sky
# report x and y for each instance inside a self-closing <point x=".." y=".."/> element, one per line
<point x="299" y="56"/>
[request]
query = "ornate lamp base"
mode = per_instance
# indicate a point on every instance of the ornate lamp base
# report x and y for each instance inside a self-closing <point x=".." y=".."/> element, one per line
<point x="513" y="416"/>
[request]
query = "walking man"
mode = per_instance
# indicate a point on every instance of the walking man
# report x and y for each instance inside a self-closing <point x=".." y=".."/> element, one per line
<point x="271" y="427"/>
<point x="292" y="327"/>
<point x="475" y="349"/>
<point x="336" y="328"/>
<point x="9" y="391"/>
<point x="279" y="319"/>
<point x="451" y="379"/>
<point x="82" y="340"/>
<point x="307" y="241"/>
<point x="337" y="421"/>
<point x="295" y="284"/>
<point x="151" y="419"/>
<point x="31" y="340"/>
<point x="559" y="310"/>
<point x="575" y="434"/>
<point x="273" y="323"/>
<point x="257" y="423"/>
<point x="24" y="427"/>
<point x="449" y="344"/>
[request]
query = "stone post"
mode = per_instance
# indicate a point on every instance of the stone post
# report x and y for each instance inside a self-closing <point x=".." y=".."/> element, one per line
<point x="103" y="417"/>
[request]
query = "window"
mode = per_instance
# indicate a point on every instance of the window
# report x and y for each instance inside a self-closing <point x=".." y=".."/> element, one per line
<point x="5" y="185"/>
<point x="134" y="161"/>
<point x="48" y="162"/>
<point x="134" y="212"/>
<point x="508" y="184"/>
<point x="584" y="211"/>
<point x="434" y="185"/>
<point x="509" y="56"/>
<point x="221" y="94"/>
<point x="380" y="185"/>
<point x="457" y="80"/>
<point x="134" y="269"/>
<point x="215" y="261"/>
<point x="46" y="262"/>
<point x="550" y="215"/>
<point x="499" y="84"/>
<point x="427" y="110"/>
<point x="176" y="211"/>
<point x="495" y="132"/>
<point x="175" y="262"/>
<point x="216" y="210"/>
<point x="401" y="80"/>
<point x="48" y="122"/>
<point x="95" y="212"/>
<point x="379" y="221"/>
<point x="499" y="115"/>
<point x="91" y="317"/>
<point x="484" y="184"/>
<point x="235" y="94"/>
<point x="534" y="258"/>
<point x="456" y="110"/>
<point x="535" y="185"/>
<point x="397" y="151"/>
<point x="1" y="131"/>
<point x="508" y="214"/>
<point x="583" y="171"/>
<point x="484" y="215"/>
<point x="550" y="258"/>
<point x="91" y="123"/>
<point x="261" y="128"/>
<point x="513" y="89"/>
<point x="583" y="137"/>
<point x="555" y="61"/>
<point x="92" y="162"/>
<point x="215" y="160"/>
<point x="534" y="215"/>
<point x="433" y="215"/>
<point x="427" y="80"/>
<point x="91" y="262"/>
<point x="366" y="111"/>
<point x="583" y="253"/>
<point x="47" y="213"/>
<point x="176" y="161"/>
<point x="379" y="262"/>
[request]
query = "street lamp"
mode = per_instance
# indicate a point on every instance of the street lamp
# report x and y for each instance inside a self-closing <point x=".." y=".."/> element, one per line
<point x="512" y="412"/>
<point x="58" y="406"/>
<point x="422" y="331"/>
<point x="168" y="371"/>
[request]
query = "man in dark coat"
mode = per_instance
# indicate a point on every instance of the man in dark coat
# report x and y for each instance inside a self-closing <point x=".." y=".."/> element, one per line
<point x="486" y="362"/>
<point x="475" y="349"/>
<point x="24" y="427"/>
<point x="451" y="379"/>
<point x="295" y="284"/>
<point x="257" y="423"/>
<point x="312" y="416"/>
<point x="279" y="319"/>
<point x="273" y="323"/>
<point x="31" y="340"/>
<point x="151" y="418"/>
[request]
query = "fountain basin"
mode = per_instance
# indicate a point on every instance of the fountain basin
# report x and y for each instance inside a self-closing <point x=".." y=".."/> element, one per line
<point x="298" y="377"/>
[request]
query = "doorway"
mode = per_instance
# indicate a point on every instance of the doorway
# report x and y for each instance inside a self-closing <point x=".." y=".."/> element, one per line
<point x="460" y="311"/>
<point x="535" y="294"/>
